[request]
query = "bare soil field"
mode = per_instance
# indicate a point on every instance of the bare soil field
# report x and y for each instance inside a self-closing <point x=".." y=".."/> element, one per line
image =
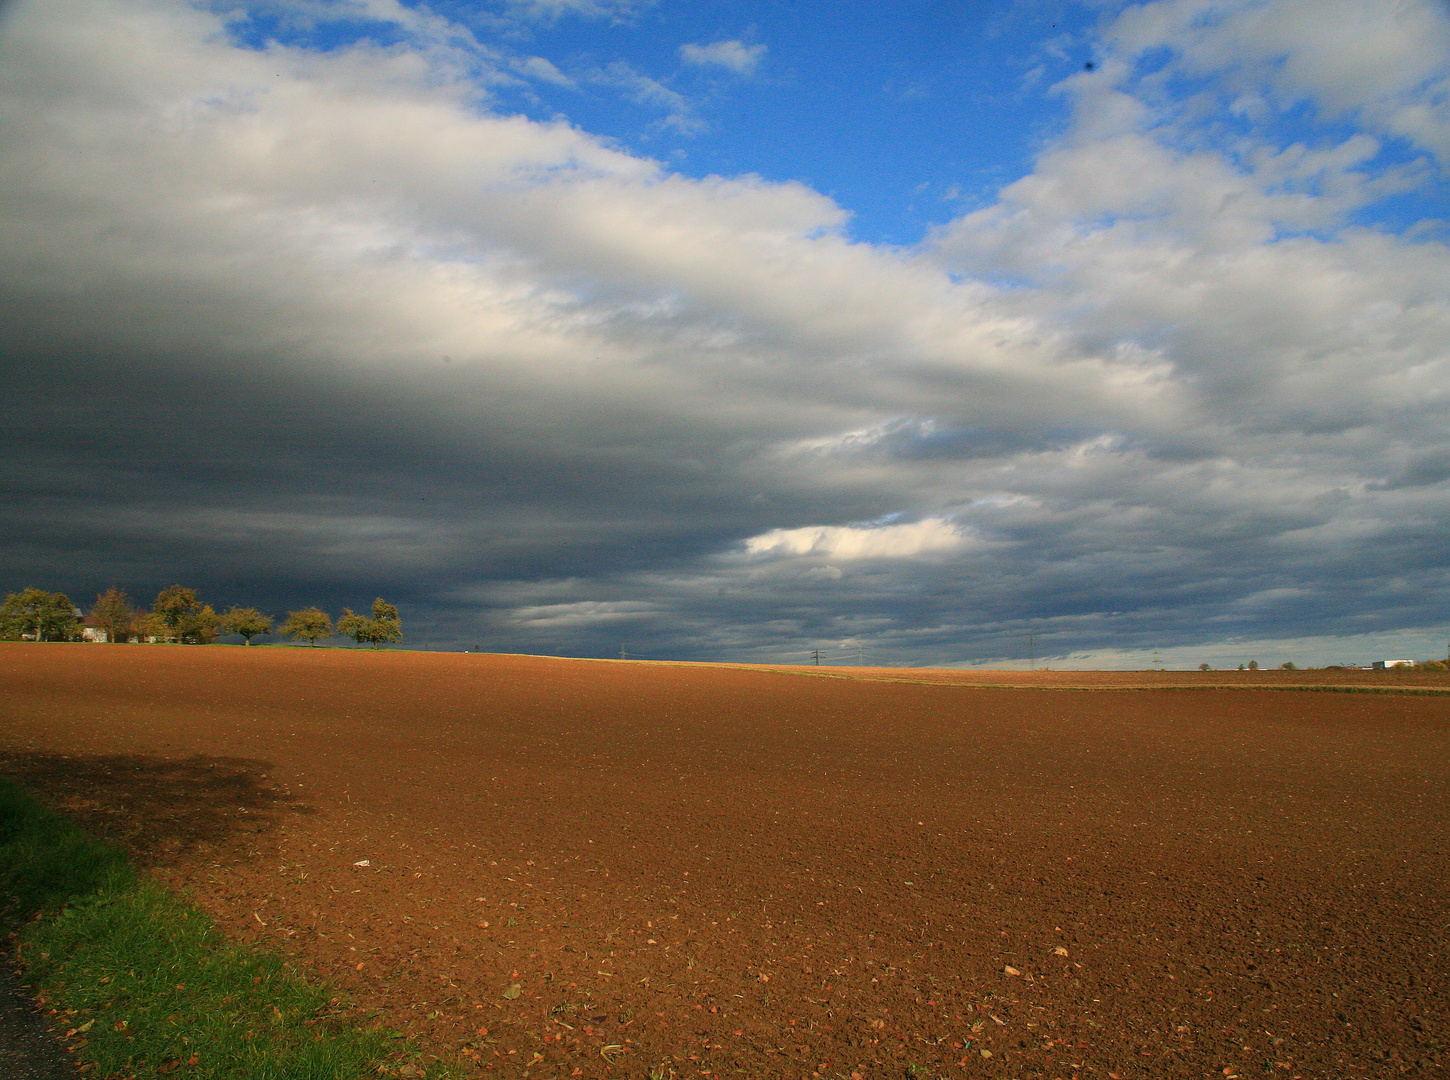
<point x="557" y="868"/>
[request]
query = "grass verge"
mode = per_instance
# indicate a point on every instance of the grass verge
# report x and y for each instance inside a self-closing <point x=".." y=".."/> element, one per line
<point x="146" y="986"/>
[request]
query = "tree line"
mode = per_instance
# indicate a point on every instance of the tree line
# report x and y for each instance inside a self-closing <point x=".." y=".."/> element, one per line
<point x="178" y="615"/>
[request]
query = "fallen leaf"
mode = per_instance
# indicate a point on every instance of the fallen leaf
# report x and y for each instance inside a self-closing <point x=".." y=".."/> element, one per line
<point x="513" y="991"/>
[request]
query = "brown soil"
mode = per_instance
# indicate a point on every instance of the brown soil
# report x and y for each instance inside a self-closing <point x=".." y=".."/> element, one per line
<point x="603" y="869"/>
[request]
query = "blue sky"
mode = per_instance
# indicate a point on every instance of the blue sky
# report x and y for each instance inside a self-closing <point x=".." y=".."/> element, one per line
<point x="731" y="332"/>
<point x="903" y="115"/>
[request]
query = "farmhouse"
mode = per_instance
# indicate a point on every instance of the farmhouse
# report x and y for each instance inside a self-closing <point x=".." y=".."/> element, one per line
<point x="89" y="630"/>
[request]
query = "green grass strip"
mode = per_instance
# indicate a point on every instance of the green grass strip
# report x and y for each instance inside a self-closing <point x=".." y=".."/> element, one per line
<point x="149" y="986"/>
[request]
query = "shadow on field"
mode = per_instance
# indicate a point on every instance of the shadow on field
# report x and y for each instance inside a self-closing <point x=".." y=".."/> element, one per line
<point x="159" y="808"/>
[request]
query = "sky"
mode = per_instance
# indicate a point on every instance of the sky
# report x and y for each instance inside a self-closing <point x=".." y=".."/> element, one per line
<point x="929" y="334"/>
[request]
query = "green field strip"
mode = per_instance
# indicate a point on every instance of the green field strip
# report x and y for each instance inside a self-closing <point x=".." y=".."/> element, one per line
<point x="141" y="984"/>
<point x="1308" y="688"/>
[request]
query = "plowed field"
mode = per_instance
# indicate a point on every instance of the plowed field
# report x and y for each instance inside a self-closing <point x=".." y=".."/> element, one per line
<point x="556" y="868"/>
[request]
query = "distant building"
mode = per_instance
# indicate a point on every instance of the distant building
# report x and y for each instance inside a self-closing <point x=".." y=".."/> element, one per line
<point x="1381" y="665"/>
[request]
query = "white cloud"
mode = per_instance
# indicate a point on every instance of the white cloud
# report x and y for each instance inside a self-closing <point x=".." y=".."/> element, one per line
<point x="856" y="542"/>
<point x="731" y="55"/>
<point x="536" y="67"/>
<point x="825" y="573"/>
<point x="1235" y="264"/>
<point x="552" y="10"/>
<point x="1386" y="61"/>
<point x="647" y="91"/>
<point x="583" y="613"/>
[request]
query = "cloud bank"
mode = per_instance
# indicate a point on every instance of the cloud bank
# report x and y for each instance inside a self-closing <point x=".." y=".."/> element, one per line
<point x="305" y="324"/>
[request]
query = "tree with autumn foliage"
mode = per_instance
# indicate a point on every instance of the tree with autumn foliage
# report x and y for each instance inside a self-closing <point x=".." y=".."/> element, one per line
<point x="148" y="626"/>
<point x="383" y="627"/>
<point x="247" y="621"/>
<point x="186" y="618"/>
<point x="309" y="624"/>
<point x="49" y="616"/>
<point x="113" y="614"/>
